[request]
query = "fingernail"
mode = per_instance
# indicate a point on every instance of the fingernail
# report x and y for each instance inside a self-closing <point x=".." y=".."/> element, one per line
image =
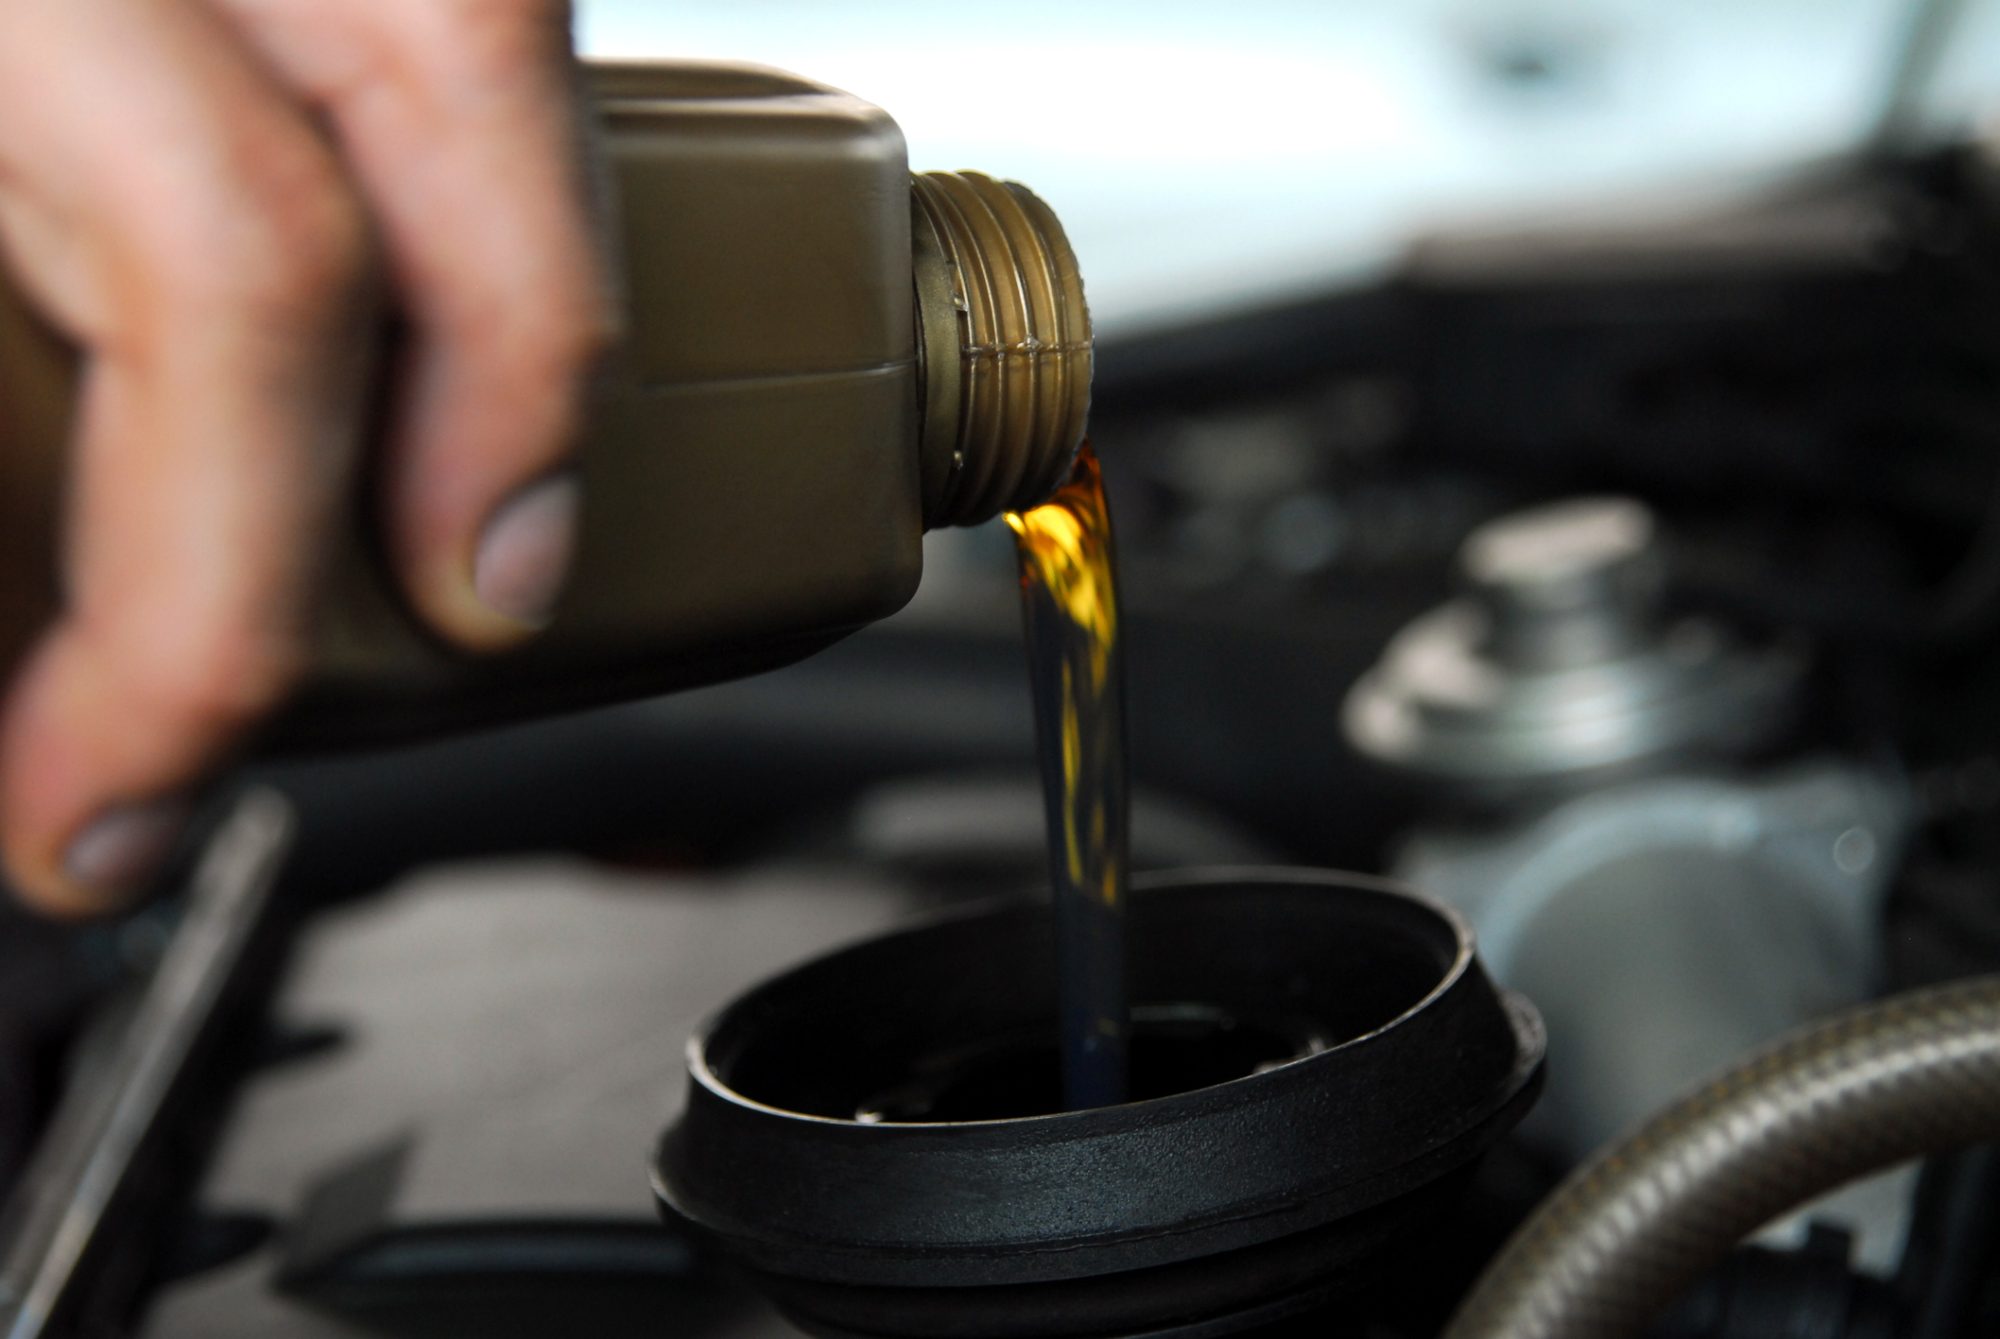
<point x="524" y="555"/>
<point x="125" y="846"/>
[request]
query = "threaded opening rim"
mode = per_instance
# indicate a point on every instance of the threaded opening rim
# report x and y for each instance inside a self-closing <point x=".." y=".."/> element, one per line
<point x="1004" y="418"/>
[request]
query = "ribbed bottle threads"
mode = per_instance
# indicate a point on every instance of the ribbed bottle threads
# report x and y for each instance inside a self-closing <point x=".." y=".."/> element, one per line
<point x="1005" y="340"/>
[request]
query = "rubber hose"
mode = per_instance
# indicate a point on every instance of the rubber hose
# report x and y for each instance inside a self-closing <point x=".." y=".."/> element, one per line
<point x="1632" y="1228"/>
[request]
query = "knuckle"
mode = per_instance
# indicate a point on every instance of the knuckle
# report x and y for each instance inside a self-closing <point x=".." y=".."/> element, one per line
<point x="513" y="34"/>
<point x="217" y="681"/>
<point x="291" y="242"/>
<point x="537" y="16"/>
<point x="557" y="353"/>
<point x="310" y="238"/>
<point x="582" y="339"/>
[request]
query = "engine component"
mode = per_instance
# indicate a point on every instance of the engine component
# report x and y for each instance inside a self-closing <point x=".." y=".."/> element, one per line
<point x="1316" y="1061"/>
<point x="1667" y="925"/>
<point x="1639" y="860"/>
<point x="1809" y="1293"/>
<point x="1559" y="666"/>
<point x="88" y="1174"/>
<point x="1913" y="1074"/>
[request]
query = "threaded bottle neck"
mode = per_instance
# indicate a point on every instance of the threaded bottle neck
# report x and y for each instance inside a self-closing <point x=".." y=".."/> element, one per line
<point x="1004" y="336"/>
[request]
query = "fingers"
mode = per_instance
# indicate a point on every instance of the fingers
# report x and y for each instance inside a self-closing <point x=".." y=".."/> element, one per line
<point x="459" y="121"/>
<point x="216" y="281"/>
<point x="177" y="210"/>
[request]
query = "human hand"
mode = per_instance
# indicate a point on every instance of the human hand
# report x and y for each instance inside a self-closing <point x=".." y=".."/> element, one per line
<point x="217" y="201"/>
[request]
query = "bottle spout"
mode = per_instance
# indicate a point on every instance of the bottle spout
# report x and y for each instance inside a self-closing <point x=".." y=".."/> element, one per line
<point x="1004" y="338"/>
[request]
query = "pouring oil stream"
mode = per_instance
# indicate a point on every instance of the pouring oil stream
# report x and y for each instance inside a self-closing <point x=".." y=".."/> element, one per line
<point x="1069" y="601"/>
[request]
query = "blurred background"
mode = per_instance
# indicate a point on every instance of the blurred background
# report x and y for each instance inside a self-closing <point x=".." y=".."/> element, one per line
<point x="1206" y="158"/>
<point x="1707" y="292"/>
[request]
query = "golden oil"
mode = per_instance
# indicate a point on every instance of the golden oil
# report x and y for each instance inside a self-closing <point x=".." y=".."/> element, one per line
<point x="1069" y="600"/>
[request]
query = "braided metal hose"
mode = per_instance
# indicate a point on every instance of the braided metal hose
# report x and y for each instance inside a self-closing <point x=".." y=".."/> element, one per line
<point x="1629" y="1230"/>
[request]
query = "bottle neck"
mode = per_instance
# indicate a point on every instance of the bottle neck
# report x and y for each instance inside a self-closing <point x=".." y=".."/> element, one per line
<point x="1005" y="343"/>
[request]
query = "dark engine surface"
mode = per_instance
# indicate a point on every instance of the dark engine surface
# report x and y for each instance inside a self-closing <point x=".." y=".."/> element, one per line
<point x="429" y="1107"/>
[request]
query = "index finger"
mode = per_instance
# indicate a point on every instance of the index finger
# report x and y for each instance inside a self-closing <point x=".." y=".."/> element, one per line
<point x="461" y="121"/>
<point x="215" y="277"/>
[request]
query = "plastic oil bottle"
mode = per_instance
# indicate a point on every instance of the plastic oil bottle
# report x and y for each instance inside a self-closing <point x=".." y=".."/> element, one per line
<point x="826" y="357"/>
